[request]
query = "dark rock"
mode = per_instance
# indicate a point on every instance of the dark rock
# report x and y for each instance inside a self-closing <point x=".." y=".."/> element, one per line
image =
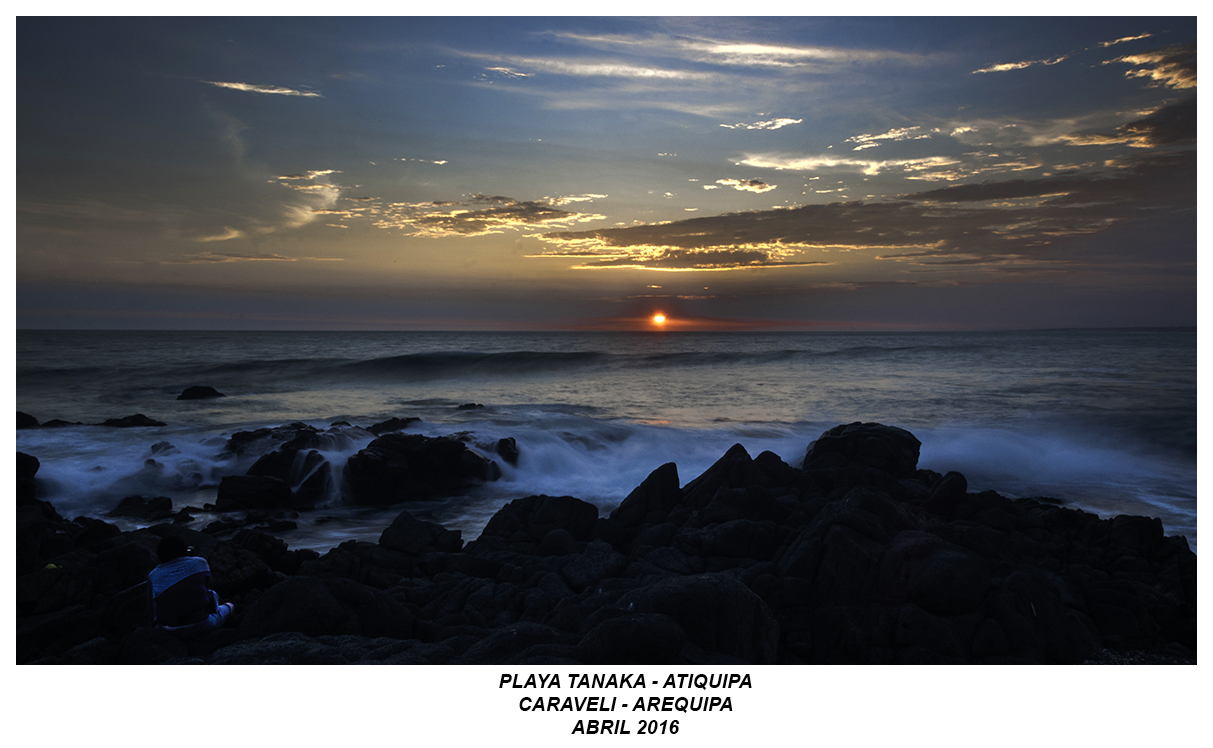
<point x="939" y="577"/>
<point x="409" y="467"/>
<point x="470" y="406"/>
<point x="734" y="470"/>
<point x="756" y="562"/>
<point x="410" y="535"/>
<point x="26" y="421"/>
<point x="309" y="471"/>
<point x="27" y="484"/>
<point x="659" y="492"/>
<point x="633" y="639"/>
<point x="523" y="523"/>
<point x="136" y="421"/>
<point x="314" y="606"/>
<point x="597" y="562"/>
<point x="242" y="492"/>
<point x="717" y="612"/>
<point x="947" y="495"/>
<point x="874" y="445"/>
<point x="558" y="542"/>
<point x="199" y="392"/>
<point x="508" y="449"/>
<point x="155" y="509"/>
<point x="391" y="425"/>
<point x="504" y="644"/>
<point x="57" y="423"/>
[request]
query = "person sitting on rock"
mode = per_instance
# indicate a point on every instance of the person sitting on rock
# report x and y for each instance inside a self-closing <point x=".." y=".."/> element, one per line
<point x="180" y="600"/>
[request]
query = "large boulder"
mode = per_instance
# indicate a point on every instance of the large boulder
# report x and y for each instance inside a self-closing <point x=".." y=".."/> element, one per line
<point x="865" y="445"/>
<point x="523" y="523"/>
<point x="410" y="467"/>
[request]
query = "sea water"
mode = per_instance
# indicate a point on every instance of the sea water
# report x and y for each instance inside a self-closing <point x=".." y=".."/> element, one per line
<point x="1104" y="420"/>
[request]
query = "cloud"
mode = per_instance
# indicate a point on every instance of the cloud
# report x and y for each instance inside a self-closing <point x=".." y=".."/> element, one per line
<point x="565" y="200"/>
<point x="229" y="132"/>
<point x="771" y="124"/>
<point x="255" y="88"/>
<point x="1170" y="124"/>
<point x="220" y="257"/>
<point x="228" y="234"/>
<point x="736" y="52"/>
<point x="1003" y="67"/>
<point x="604" y="68"/>
<point x="464" y="218"/>
<point x="318" y="195"/>
<point x="504" y="72"/>
<point x="1122" y="40"/>
<point x="676" y="259"/>
<point x="902" y="133"/>
<point x="1015" y="222"/>
<point x="1161" y="180"/>
<point x="746" y="185"/>
<point x="1172" y="66"/>
<point x="865" y="166"/>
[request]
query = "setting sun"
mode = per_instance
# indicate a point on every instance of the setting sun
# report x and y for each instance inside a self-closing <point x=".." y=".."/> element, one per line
<point x="659" y="319"/>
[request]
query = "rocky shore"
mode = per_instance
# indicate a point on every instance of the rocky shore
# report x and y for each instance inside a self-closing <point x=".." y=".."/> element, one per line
<point x="854" y="556"/>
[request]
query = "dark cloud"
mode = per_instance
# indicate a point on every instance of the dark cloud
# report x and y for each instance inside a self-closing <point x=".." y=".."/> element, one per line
<point x="1015" y="222"/>
<point x="1158" y="180"/>
<point x="1169" y="125"/>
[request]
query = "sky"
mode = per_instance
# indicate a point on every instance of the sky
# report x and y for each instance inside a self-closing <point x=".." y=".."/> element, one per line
<point x="585" y="173"/>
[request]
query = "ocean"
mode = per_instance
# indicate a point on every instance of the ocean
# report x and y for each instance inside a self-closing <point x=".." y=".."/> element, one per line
<point x="1104" y="420"/>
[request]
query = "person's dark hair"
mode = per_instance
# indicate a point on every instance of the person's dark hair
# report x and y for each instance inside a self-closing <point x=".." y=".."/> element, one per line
<point x="170" y="548"/>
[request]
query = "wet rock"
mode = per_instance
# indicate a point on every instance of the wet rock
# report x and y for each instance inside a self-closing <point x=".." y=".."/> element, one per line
<point x="391" y="425"/>
<point x="507" y="448"/>
<point x="242" y="492"/>
<point x="396" y="468"/>
<point x="155" y="509"/>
